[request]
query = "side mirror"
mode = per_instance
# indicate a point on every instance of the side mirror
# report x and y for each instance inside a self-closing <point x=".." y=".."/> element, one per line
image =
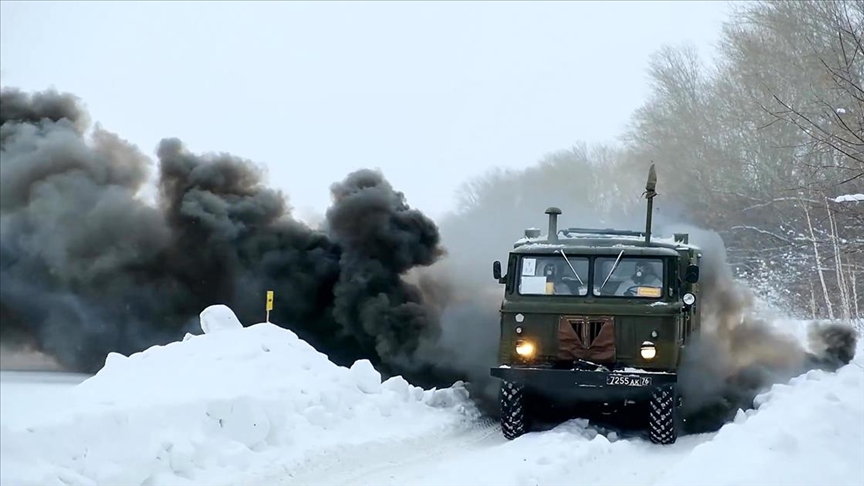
<point x="496" y="270"/>
<point x="692" y="275"/>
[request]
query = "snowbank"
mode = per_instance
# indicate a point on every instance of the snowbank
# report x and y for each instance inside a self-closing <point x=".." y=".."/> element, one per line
<point x="809" y="431"/>
<point x="231" y="404"/>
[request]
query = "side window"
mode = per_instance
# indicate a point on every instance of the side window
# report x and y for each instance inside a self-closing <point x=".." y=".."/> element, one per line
<point x="511" y="273"/>
<point x="673" y="277"/>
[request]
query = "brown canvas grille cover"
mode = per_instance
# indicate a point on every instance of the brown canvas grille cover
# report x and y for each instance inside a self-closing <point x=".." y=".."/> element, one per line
<point x="589" y="338"/>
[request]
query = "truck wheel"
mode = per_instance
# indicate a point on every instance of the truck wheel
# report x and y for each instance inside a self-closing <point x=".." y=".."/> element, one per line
<point x="663" y="420"/>
<point x="513" y="416"/>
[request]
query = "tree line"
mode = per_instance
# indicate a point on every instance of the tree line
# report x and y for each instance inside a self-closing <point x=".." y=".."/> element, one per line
<point x="764" y="145"/>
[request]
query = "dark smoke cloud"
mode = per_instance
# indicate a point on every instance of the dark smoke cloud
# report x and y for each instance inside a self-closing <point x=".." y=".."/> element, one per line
<point x="382" y="239"/>
<point x="87" y="267"/>
<point x="466" y="300"/>
<point x="740" y="351"/>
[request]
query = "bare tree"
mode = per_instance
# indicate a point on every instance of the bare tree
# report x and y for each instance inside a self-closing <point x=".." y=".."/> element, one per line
<point x="832" y="116"/>
<point x="757" y="147"/>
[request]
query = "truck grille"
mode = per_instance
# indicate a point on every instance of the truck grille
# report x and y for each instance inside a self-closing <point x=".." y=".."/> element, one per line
<point x="586" y="337"/>
<point x="586" y="330"/>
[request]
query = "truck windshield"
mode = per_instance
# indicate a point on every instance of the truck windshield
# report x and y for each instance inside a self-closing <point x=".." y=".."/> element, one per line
<point x="557" y="274"/>
<point x="630" y="277"/>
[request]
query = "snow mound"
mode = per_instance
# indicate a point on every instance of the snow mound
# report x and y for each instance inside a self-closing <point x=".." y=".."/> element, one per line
<point x="808" y="431"/>
<point x="218" y="318"/>
<point x="217" y="408"/>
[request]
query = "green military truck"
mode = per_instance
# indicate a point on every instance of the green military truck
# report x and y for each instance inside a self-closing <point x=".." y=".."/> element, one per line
<point x="596" y="317"/>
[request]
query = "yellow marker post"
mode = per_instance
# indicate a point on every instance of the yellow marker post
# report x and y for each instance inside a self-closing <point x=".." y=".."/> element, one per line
<point x="269" y="304"/>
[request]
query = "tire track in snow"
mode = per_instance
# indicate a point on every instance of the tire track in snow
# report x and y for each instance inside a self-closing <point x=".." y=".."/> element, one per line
<point x="371" y="463"/>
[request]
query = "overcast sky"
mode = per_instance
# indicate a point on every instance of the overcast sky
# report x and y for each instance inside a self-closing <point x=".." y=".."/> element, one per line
<point x="430" y="93"/>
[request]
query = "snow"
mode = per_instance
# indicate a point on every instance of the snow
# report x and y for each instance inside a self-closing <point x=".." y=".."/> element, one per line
<point x="809" y="431"/>
<point x="217" y="408"/>
<point x="257" y="405"/>
<point x="541" y="246"/>
<point x="814" y="421"/>
<point x="26" y="396"/>
<point x="218" y="317"/>
<point x="849" y="198"/>
<point x="628" y="369"/>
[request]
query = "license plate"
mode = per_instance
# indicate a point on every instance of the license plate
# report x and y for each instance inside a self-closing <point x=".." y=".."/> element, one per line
<point x="628" y="380"/>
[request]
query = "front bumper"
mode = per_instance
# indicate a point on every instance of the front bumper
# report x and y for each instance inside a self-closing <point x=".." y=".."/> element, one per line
<point x="557" y="379"/>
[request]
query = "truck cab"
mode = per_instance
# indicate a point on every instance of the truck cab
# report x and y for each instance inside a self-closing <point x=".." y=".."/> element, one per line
<point x="596" y="315"/>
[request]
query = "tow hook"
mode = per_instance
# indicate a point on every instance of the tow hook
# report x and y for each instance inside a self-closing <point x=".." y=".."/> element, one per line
<point x="607" y="409"/>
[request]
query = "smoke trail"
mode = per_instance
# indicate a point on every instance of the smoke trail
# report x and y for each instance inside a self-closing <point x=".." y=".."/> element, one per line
<point x="740" y="351"/>
<point x="87" y="267"/>
<point x="382" y="239"/>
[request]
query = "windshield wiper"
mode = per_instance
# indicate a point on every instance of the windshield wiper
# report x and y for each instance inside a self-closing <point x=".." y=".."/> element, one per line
<point x="615" y="266"/>
<point x="571" y="267"/>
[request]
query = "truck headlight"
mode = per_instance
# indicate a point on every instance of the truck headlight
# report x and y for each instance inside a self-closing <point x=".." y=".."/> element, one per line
<point x="648" y="351"/>
<point x="525" y="349"/>
<point x="689" y="298"/>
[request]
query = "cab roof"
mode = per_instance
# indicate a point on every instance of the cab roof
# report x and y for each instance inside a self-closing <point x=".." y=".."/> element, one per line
<point x="604" y="241"/>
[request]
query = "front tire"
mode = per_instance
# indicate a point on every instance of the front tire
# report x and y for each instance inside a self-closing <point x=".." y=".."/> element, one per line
<point x="664" y="423"/>
<point x="514" y="419"/>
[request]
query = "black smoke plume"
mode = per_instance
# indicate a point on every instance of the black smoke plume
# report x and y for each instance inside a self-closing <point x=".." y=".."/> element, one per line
<point x="87" y="266"/>
<point x="740" y="351"/>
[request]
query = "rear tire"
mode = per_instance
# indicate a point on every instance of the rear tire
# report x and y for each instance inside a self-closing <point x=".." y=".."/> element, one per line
<point x="664" y="423"/>
<point x="514" y="419"/>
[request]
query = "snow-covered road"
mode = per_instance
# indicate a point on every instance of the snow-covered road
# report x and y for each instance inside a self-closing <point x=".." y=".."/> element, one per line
<point x="807" y="432"/>
<point x="27" y="396"/>
<point x="394" y="462"/>
<point x="258" y="406"/>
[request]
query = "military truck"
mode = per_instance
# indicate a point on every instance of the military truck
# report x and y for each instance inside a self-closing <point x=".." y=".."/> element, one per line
<point x="597" y="317"/>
